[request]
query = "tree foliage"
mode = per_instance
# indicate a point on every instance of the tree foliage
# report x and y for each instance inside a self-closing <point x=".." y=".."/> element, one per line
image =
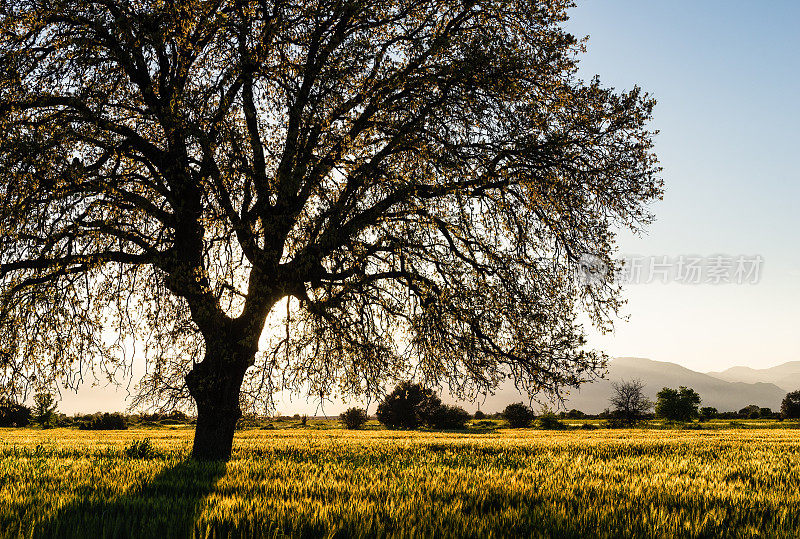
<point x="449" y="417"/>
<point x="790" y="406"/>
<point x="13" y="414"/>
<point x="629" y="401"/>
<point x="550" y="421"/>
<point x="751" y="411"/>
<point x="44" y="408"/>
<point x="677" y="404"/>
<point x="353" y="418"/>
<point x="708" y="412"/>
<point x="518" y="415"/>
<point x="408" y="406"/>
<point x="104" y="421"/>
<point x="415" y="181"/>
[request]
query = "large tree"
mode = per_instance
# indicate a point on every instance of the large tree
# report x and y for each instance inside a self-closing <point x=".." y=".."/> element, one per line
<point x="412" y="182"/>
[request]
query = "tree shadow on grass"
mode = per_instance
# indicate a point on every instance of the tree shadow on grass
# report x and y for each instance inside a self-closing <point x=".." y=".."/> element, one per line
<point x="167" y="506"/>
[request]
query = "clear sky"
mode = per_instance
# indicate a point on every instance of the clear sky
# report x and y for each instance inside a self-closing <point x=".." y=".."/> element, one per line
<point x="727" y="79"/>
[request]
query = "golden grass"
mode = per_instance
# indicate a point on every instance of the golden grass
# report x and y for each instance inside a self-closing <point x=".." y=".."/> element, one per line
<point x="364" y="483"/>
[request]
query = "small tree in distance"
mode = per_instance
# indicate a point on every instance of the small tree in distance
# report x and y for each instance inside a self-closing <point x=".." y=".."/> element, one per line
<point x="549" y="421"/>
<point x="44" y="408"/>
<point x="790" y="407"/>
<point x="707" y="412"/>
<point x="353" y="418"/>
<point x="751" y="411"/>
<point x="629" y="401"/>
<point x="449" y="417"/>
<point x="677" y="404"/>
<point x="105" y="421"/>
<point x="408" y="406"/>
<point x="518" y="415"/>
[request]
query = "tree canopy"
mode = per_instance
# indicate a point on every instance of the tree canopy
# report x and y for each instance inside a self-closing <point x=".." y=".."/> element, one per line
<point x="415" y="179"/>
<point x="629" y="400"/>
<point x="790" y="406"/>
<point x="677" y="404"/>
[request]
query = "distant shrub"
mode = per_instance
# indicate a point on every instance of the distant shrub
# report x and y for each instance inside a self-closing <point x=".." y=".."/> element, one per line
<point x="13" y="414"/>
<point x="304" y="420"/>
<point x="106" y="421"/>
<point x="752" y="411"/>
<point x="549" y="421"/>
<point x="172" y="418"/>
<point x="518" y="415"/>
<point x="140" y="449"/>
<point x="588" y="426"/>
<point x="448" y="417"/>
<point x="408" y="406"/>
<point x="575" y="414"/>
<point x="177" y="415"/>
<point x="708" y="412"/>
<point x="353" y="418"/>
<point x="479" y="415"/>
<point x="613" y="421"/>
<point x="247" y="421"/>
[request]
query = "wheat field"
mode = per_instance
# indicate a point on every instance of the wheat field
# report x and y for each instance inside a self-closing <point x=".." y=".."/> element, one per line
<point x="337" y="483"/>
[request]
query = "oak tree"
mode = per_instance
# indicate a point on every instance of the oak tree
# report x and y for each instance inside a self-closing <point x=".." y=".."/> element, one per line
<point x="404" y="187"/>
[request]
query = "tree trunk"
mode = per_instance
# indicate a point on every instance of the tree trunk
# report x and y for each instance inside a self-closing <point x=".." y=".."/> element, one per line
<point x="215" y="383"/>
<point x="215" y="386"/>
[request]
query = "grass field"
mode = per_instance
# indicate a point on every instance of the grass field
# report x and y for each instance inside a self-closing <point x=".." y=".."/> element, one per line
<point x="309" y="482"/>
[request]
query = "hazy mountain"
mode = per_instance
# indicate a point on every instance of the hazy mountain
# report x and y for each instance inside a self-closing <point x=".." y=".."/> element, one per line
<point x="593" y="397"/>
<point x="732" y="389"/>
<point x="786" y="376"/>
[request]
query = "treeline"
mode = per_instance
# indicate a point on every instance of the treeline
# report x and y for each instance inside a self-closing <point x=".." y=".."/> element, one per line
<point x="630" y="405"/>
<point x="45" y="415"/>
<point x="411" y="405"/>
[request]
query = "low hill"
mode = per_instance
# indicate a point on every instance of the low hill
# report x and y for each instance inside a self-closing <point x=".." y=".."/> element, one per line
<point x="593" y="397"/>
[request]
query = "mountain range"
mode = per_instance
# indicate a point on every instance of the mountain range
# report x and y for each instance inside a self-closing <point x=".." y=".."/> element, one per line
<point x="729" y="390"/>
<point x="785" y="376"/>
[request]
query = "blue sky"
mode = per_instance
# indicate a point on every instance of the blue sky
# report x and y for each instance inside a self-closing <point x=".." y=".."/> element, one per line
<point x="726" y="78"/>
